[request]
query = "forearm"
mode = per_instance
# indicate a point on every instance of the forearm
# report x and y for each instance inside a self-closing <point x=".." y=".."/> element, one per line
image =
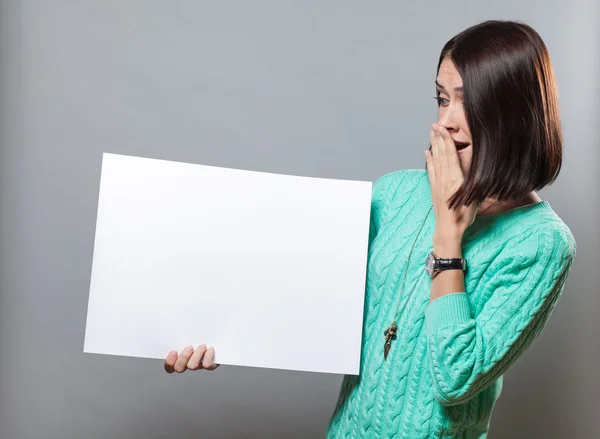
<point x="448" y="281"/>
<point x="469" y="350"/>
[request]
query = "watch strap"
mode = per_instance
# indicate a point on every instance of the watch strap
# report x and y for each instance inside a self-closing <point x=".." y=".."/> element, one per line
<point x="450" y="264"/>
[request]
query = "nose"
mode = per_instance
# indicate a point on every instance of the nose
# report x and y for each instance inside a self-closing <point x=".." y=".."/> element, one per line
<point x="449" y="119"/>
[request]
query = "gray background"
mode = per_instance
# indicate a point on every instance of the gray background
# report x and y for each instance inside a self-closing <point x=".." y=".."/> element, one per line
<point x="318" y="88"/>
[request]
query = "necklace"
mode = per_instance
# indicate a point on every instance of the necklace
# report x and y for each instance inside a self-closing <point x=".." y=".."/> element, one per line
<point x="391" y="332"/>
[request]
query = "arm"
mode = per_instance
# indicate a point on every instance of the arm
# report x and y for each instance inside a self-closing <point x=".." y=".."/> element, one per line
<point x="468" y="352"/>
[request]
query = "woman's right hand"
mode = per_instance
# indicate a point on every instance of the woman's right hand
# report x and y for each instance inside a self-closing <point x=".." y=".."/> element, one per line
<point x="190" y="359"/>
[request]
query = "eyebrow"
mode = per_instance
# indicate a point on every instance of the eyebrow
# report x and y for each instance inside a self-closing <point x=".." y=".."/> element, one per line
<point x="444" y="88"/>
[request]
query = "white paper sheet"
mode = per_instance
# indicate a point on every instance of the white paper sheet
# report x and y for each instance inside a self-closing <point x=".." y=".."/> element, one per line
<point x="267" y="268"/>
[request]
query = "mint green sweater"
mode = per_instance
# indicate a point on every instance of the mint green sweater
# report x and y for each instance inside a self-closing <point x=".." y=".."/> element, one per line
<point x="444" y="371"/>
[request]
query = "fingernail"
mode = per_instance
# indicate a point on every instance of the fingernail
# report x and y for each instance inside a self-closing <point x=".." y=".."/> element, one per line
<point x="189" y="348"/>
<point x="202" y="346"/>
<point x="172" y="354"/>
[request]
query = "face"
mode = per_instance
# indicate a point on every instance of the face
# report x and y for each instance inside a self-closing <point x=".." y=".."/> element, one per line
<point x="451" y="113"/>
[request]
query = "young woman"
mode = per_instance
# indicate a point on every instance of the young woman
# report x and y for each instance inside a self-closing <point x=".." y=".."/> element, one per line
<point x="466" y="262"/>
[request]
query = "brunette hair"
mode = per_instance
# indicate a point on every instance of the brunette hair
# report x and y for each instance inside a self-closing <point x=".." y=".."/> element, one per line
<point x="511" y="106"/>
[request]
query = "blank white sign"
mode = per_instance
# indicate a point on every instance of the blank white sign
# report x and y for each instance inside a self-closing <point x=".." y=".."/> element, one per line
<point x="267" y="268"/>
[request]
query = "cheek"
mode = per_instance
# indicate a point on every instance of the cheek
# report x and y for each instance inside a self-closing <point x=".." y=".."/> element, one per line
<point x="465" y="159"/>
<point x="465" y="127"/>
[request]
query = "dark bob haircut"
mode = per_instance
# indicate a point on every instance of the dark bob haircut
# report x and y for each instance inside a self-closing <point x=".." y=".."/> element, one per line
<point x="511" y="107"/>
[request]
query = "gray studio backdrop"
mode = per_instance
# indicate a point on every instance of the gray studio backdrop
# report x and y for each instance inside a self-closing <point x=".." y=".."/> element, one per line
<point x="318" y="88"/>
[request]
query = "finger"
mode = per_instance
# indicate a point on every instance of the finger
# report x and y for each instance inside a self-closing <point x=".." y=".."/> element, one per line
<point x="208" y="362"/>
<point x="184" y="358"/>
<point x="196" y="359"/>
<point x="170" y="361"/>
<point x="451" y="153"/>
<point x="435" y="153"/>
<point x="442" y="147"/>
<point x="430" y="170"/>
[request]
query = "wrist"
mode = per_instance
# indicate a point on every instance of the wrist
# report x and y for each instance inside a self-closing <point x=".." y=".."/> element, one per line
<point x="447" y="245"/>
<point x="447" y="252"/>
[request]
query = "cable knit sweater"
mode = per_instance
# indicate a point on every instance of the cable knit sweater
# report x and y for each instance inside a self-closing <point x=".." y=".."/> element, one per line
<point x="444" y="371"/>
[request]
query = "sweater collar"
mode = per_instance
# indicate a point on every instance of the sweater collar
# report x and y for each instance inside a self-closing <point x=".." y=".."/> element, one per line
<point x="485" y="221"/>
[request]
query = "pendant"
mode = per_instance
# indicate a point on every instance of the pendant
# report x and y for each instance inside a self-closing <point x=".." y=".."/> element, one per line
<point x="390" y="334"/>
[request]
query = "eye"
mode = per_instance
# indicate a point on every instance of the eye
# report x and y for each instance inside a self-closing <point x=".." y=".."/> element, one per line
<point x="441" y="101"/>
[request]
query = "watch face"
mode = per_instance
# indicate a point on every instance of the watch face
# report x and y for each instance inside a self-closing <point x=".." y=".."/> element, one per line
<point x="429" y="264"/>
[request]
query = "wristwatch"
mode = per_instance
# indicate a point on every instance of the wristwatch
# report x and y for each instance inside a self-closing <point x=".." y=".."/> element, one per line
<point x="433" y="264"/>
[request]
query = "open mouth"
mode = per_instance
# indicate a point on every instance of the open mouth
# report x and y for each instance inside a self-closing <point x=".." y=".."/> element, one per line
<point x="460" y="145"/>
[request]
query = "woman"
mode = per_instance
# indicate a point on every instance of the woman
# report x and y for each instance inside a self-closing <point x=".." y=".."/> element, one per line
<point x="466" y="262"/>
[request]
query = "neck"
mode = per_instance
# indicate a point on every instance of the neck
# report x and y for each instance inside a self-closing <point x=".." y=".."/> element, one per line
<point x="490" y="207"/>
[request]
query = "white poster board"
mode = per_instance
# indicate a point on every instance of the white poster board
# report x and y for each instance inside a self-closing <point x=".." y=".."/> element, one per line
<point x="267" y="268"/>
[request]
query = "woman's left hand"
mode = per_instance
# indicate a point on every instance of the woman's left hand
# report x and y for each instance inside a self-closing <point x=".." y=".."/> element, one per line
<point x="445" y="177"/>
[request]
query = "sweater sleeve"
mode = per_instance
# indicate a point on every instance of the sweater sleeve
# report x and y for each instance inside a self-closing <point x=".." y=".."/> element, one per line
<point x="469" y="352"/>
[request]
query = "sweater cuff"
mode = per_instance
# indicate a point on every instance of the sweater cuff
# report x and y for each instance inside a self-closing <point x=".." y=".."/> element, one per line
<point x="448" y="310"/>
